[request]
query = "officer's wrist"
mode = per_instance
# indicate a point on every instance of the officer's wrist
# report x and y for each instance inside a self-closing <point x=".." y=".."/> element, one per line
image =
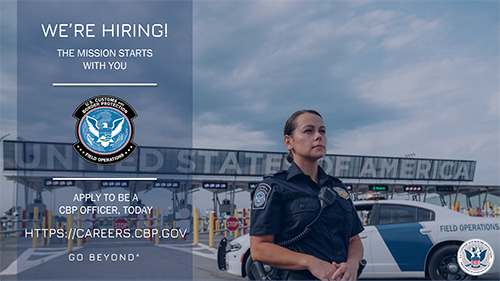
<point x="310" y="262"/>
<point x="354" y="263"/>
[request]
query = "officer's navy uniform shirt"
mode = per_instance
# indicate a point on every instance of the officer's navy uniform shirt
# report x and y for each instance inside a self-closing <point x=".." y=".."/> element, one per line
<point x="285" y="203"/>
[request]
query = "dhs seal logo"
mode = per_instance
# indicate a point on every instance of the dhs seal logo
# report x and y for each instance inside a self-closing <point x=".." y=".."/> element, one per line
<point x="104" y="130"/>
<point x="475" y="257"/>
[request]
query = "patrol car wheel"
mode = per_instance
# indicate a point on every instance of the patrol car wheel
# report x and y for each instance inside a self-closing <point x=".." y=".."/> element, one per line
<point x="249" y="268"/>
<point x="443" y="265"/>
<point x="251" y="271"/>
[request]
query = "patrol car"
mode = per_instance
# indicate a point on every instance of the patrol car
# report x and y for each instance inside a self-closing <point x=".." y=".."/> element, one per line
<point x="402" y="239"/>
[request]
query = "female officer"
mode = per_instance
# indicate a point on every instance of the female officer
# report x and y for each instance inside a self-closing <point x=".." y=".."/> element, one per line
<point x="286" y="202"/>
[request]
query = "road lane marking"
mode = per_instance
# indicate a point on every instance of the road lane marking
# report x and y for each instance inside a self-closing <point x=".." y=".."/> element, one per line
<point x="23" y="262"/>
<point x="195" y="250"/>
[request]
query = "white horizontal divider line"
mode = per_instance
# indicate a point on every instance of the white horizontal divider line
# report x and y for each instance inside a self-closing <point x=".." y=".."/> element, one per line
<point x="90" y="84"/>
<point x="104" y="179"/>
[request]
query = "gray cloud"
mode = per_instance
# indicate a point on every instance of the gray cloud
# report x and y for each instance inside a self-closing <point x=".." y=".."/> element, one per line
<point x="389" y="77"/>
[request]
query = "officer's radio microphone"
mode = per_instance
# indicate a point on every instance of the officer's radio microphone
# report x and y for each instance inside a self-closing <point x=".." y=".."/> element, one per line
<point x="326" y="198"/>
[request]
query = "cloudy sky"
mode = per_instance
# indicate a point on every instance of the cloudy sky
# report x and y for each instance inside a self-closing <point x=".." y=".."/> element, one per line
<point x="389" y="77"/>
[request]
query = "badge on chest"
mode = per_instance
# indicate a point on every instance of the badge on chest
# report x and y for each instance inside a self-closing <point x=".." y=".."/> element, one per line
<point x="341" y="192"/>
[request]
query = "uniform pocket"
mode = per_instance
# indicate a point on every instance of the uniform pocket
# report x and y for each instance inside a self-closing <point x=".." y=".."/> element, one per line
<point x="299" y="212"/>
<point x="302" y="205"/>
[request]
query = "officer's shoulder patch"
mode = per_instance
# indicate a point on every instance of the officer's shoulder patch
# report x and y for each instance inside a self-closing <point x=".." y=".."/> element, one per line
<point x="342" y="192"/>
<point x="275" y="173"/>
<point x="261" y="196"/>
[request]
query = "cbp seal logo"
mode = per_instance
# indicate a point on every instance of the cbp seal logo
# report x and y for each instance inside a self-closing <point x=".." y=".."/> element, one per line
<point x="104" y="130"/>
<point x="475" y="257"/>
<point x="261" y="196"/>
<point x="260" y="199"/>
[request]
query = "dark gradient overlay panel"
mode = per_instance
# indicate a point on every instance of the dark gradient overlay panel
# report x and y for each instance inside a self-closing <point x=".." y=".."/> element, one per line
<point x="70" y="52"/>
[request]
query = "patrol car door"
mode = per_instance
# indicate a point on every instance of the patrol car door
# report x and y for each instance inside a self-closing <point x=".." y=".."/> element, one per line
<point x="400" y="243"/>
<point x="365" y="213"/>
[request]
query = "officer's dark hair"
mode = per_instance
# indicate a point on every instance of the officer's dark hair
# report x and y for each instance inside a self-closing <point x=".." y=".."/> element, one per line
<point x="291" y="124"/>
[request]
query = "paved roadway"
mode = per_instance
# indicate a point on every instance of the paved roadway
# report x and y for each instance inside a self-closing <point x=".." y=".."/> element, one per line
<point x="172" y="259"/>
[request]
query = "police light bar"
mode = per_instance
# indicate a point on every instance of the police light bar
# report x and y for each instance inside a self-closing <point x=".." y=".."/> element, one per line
<point x="413" y="188"/>
<point x="215" y="185"/>
<point x="445" y="188"/>
<point x="253" y="185"/>
<point x="379" y="187"/>
<point x="348" y="186"/>
<point x="53" y="183"/>
<point x="166" y="184"/>
<point x="114" y="183"/>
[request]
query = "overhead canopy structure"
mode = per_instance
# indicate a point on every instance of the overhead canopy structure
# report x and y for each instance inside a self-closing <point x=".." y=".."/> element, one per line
<point x="34" y="164"/>
<point x="164" y="161"/>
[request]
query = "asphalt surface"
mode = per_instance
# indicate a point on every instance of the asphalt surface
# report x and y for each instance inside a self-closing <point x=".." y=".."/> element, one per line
<point x="116" y="259"/>
<point x="111" y="259"/>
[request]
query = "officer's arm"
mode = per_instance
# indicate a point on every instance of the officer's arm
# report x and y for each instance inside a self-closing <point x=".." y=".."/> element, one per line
<point x="263" y="249"/>
<point x="355" y="251"/>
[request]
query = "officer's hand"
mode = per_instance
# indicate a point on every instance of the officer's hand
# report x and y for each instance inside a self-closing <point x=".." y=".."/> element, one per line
<point x="345" y="271"/>
<point x="321" y="269"/>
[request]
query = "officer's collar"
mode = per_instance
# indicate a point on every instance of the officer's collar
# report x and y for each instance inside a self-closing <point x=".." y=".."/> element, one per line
<point x="294" y="170"/>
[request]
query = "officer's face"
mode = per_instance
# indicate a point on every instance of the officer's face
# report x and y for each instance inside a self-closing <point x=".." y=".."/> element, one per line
<point x="308" y="140"/>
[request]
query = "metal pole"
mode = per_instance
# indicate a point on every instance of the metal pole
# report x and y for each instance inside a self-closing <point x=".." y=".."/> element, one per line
<point x="79" y="226"/>
<point x="157" y="224"/>
<point x="35" y="226"/>
<point x="69" y="230"/>
<point x="211" y="230"/>
<point x="195" y="225"/>
<point x="236" y="232"/>
<point x="49" y="224"/>
<point x="456" y="194"/>
<point x="486" y="196"/>
<point x="16" y="225"/>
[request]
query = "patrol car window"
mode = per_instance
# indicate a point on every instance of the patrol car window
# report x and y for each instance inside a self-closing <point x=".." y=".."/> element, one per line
<point x="425" y="215"/>
<point x="365" y="214"/>
<point x="391" y="214"/>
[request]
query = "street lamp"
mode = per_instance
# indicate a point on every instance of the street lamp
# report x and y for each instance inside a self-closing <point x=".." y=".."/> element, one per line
<point x="1" y="139"/>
